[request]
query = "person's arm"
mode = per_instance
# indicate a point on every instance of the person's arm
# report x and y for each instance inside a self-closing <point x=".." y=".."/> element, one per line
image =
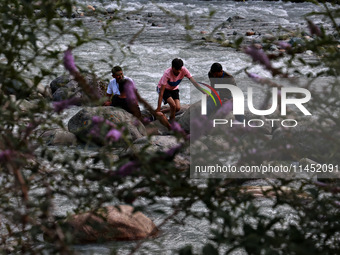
<point x="193" y="81"/>
<point x="160" y="98"/>
<point x="108" y="102"/>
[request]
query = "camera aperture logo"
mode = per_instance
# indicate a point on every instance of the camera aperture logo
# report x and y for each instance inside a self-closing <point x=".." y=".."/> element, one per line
<point x="238" y="103"/>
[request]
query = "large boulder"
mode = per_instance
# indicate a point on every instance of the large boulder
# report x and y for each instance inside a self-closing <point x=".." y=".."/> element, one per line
<point x="193" y="110"/>
<point x="166" y="144"/>
<point x="156" y="143"/>
<point x="64" y="87"/>
<point x="84" y="128"/>
<point x="111" y="224"/>
<point x="59" y="82"/>
<point x="58" y="136"/>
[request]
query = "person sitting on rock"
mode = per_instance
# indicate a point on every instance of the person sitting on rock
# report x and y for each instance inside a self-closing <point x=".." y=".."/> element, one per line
<point x="168" y="86"/>
<point x="127" y="100"/>
<point x="121" y="99"/>
<point x="113" y="87"/>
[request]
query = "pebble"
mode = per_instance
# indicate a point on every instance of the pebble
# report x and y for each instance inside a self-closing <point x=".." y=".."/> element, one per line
<point x="110" y="10"/>
<point x="269" y="38"/>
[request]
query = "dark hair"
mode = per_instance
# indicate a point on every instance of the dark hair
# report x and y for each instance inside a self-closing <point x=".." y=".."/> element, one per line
<point x="216" y="68"/>
<point x="116" y="69"/>
<point x="177" y="63"/>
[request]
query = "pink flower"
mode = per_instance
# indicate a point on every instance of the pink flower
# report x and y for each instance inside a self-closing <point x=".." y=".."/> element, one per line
<point x="97" y="119"/>
<point x="128" y="168"/>
<point x="255" y="77"/>
<point x="130" y="91"/>
<point x="62" y="105"/>
<point x="114" y="135"/>
<point x="6" y="155"/>
<point x="284" y="45"/>
<point x="259" y="56"/>
<point x="95" y="131"/>
<point x="69" y="62"/>
<point x="172" y="151"/>
<point x="176" y="127"/>
<point x="314" y="29"/>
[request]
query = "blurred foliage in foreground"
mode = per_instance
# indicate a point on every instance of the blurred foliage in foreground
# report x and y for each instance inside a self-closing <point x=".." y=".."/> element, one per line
<point x="36" y="179"/>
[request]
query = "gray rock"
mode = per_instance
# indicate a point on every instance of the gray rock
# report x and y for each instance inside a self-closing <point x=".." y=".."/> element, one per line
<point x="58" y="136"/>
<point x="111" y="10"/>
<point x="81" y="124"/>
<point x="157" y="142"/>
<point x="65" y="87"/>
<point x="193" y="110"/>
<point x="110" y="224"/>
<point x="60" y="94"/>
<point x="59" y="82"/>
<point x="63" y="137"/>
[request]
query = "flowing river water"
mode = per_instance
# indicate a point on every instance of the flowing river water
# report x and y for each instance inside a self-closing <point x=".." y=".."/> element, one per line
<point x="164" y="38"/>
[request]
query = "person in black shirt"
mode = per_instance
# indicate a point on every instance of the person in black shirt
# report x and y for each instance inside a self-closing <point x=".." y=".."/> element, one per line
<point x="218" y="76"/>
<point x="122" y="102"/>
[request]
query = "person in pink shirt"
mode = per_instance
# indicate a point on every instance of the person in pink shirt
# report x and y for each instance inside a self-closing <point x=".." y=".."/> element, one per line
<point x="167" y="88"/>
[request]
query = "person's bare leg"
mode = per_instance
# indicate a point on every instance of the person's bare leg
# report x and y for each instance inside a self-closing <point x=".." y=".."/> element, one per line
<point x="165" y="110"/>
<point x="173" y="107"/>
<point x="178" y="105"/>
<point x="162" y="119"/>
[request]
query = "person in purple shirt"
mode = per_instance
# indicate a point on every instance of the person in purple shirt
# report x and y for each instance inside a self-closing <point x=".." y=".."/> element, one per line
<point x="167" y="88"/>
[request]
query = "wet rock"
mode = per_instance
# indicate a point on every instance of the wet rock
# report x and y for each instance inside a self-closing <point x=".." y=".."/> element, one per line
<point x="156" y="128"/>
<point x="26" y="105"/>
<point x="157" y="142"/>
<point x="65" y="87"/>
<point x="193" y="110"/>
<point x="83" y="127"/>
<point x="111" y="10"/>
<point x="296" y="41"/>
<point x="110" y="224"/>
<point x="101" y="10"/>
<point x="60" y="81"/>
<point x="58" y="136"/>
<point x="230" y="19"/>
<point x="164" y="144"/>
<point x="238" y="17"/>
<point x="60" y="94"/>
<point x="268" y="38"/>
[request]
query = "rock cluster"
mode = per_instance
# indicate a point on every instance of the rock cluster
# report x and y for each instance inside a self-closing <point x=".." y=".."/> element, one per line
<point x="110" y="224"/>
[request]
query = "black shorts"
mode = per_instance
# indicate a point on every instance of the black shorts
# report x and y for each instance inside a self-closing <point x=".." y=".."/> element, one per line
<point x="174" y="94"/>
